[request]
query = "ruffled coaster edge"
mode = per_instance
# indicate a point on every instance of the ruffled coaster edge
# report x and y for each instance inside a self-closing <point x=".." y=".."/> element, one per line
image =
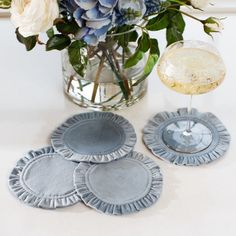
<point x="30" y="198"/>
<point x="153" y="140"/>
<point x="60" y="147"/>
<point x="91" y="200"/>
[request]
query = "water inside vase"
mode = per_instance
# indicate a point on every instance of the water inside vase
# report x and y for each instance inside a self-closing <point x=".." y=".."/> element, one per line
<point x="108" y="92"/>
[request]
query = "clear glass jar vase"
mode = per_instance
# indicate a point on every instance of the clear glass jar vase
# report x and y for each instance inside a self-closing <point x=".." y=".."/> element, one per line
<point x="106" y="84"/>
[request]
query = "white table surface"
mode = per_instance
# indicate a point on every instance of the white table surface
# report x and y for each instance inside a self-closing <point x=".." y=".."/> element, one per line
<point x="195" y="201"/>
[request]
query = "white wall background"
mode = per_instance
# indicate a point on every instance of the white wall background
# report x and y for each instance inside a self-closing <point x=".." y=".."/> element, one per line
<point x="222" y="6"/>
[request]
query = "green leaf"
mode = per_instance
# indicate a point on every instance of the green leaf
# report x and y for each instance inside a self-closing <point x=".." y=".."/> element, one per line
<point x="58" y="42"/>
<point x="153" y="56"/>
<point x="67" y="27"/>
<point x="50" y="32"/>
<point x="29" y="42"/>
<point x="143" y="46"/>
<point x="125" y="38"/>
<point x="134" y="59"/>
<point x="144" y="42"/>
<point x="76" y="56"/>
<point x="181" y="3"/>
<point x="5" y="4"/>
<point x="133" y="36"/>
<point x="176" y="28"/>
<point x="158" y="23"/>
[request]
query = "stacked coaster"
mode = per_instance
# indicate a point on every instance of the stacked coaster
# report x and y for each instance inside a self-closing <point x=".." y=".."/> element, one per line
<point x="44" y="179"/>
<point x="91" y="160"/>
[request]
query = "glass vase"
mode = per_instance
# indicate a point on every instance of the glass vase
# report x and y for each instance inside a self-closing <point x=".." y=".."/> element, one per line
<point x="106" y="84"/>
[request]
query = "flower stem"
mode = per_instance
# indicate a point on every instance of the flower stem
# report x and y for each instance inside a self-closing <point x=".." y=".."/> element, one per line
<point x="122" y="75"/>
<point x="69" y="83"/>
<point x="120" y="81"/>
<point x="186" y="14"/>
<point x="99" y="70"/>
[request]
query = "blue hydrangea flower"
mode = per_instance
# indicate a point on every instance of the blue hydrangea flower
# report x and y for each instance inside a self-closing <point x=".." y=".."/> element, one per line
<point x="95" y="18"/>
<point x="130" y="12"/>
<point x="152" y="6"/>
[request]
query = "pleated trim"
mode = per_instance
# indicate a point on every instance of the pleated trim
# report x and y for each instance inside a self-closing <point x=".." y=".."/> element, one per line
<point x="152" y="137"/>
<point x="90" y="199"/>
<point x="59" y="145"/>
<point x="26" y="195"/>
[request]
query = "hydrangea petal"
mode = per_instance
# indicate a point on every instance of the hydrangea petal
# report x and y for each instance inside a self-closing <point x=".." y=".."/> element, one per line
<point x="105" y="10"/>
<point x="91" y="39"/>
<point x="91" y="14"/>
<point x="86" y="4"/>
<point x="77" y="15"/>
<point x="102" y="31"/>
<point x="108" y="3"/>
<point x="94" y="24"/>
<point x="82" y="33"/>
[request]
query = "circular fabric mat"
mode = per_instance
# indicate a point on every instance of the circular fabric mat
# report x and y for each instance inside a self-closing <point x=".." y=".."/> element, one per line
<point x="120" y="187"/>
<point x="154" y="137"/>
<point x="44" y="179"/>
<point x="94" y="137"/>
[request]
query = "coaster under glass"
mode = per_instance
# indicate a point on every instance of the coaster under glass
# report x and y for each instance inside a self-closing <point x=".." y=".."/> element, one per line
<point x="168" y="137"/>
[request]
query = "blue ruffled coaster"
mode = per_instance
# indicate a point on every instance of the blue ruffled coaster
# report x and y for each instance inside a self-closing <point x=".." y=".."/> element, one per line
<point x="153" y="135"/>
<point x="119" y="187"/>
<point x="44" y="179"/>
<point x="94" y="137"/>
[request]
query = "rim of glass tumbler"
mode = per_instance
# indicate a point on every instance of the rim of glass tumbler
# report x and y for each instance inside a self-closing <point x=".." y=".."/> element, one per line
<point x="208" y="46"/>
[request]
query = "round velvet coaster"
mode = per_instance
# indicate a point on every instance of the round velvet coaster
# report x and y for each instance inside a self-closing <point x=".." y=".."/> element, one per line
<point x="154" y="137"/>
<point x="120" y="187"/>
<point x="44" y="179"/>
<point x="94" y="137"/>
